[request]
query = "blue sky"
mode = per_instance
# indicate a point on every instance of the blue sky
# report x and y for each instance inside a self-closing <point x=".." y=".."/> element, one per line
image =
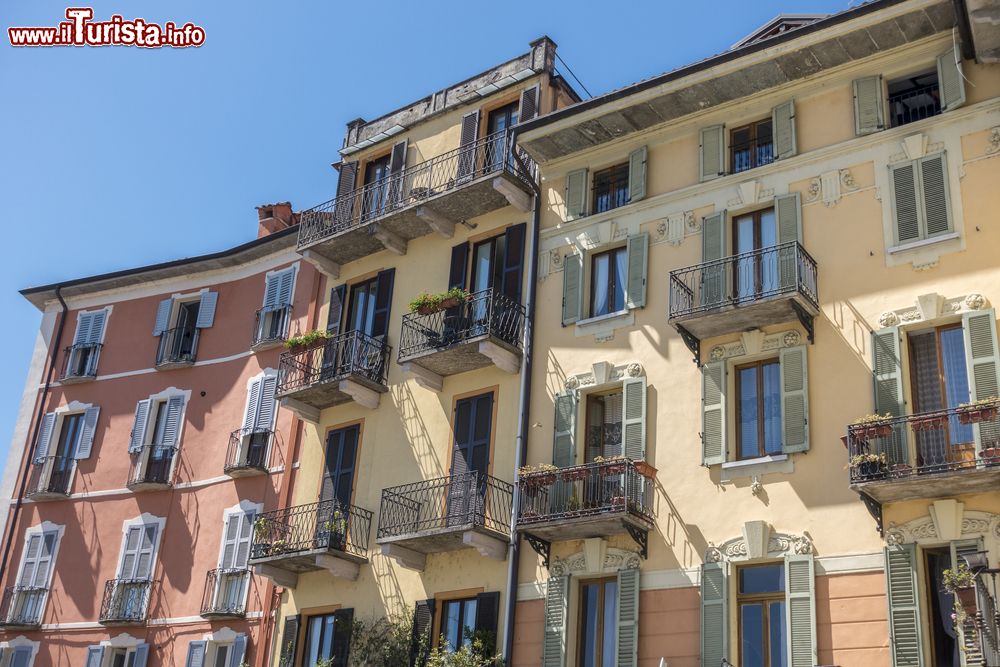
<point x="118" y="157"/>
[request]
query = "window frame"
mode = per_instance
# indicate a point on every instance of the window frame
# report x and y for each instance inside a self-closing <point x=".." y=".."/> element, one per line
<point x="767" y="599"/>
<point x="751" y="145"/>
<point x="890" y="117"/>
<point x="463" y="623"/>
<point x="594" y="396"/>
<point x="601" y="582"/>
<point x="145" y="519"/>
<point x="617" y="173"/>
<point x="911" y="376"/>
<point x="611" y="254"/>
<point x="371" y="282"/>
<point x="738" y="409"/>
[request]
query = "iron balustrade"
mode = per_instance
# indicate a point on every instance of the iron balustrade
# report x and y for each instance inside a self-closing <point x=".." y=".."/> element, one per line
<point x="249" y="448"/>
<point x="80" y="361"/>
<point x="987" y="618"/>
<point x="51" y="475"/>
<point x="272" y="325"/>
<point x="747" y="155"/>
<point x="153" y="464"/>
<point x="327" y="524"/>
<point x="458" y="501"/>
<point x="610" y="189"/>
<point x="178" y="346"/>
<point x="125" y="601"/>
<point x="412" y="185"/>
<point x="488" y="312"/>
<point x="225" y="592"/>
<point x="914" y="104"/>
<point x="22" y="606"/>
<point x="337" y="358"/>
<point x="591" y="489"/>
<point x="742" y="279"/>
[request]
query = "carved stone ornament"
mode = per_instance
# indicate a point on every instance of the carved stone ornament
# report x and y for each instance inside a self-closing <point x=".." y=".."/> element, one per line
<point x="975" y="301"/>
<point x="614" y="560"/>
<point x="973" y="524"/>
<point x="994" y="145"/>
<point x="603" y="373"/>
<point x="778" y="545"/>
<point x="791" y="339"/>
<point x="633" y="370"/>
<point x="829" y="186"/>
<point x="718" y="352"/>
<point x="888" y="319"/>
<point x="928" y="307"/>
<point x="756" y="344"/>
<point x="556" y="258"/>
<point x="572" y="383"/>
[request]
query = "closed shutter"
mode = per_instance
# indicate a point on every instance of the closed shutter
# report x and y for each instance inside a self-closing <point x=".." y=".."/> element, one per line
<point x="905" y="202"/>
<point x="713" y="247"/>
<point x="788" y="211"/>
<point x="564" y="426"/>
<point x="905" y="624"/>
<point x="87" y="429"/>
<point x="138" y="436"/>
<point x="714" y="615"/>
<point x="634" y="418"/>
<point x="982" y="364"/>
<point x="236" y="541"/>
<point x="239" y="650"/>
<point x="467" y="153"/>
<point x="335" y="315"/>
<point x="383" y="302"/>
<point x="951" y="79"/>
<point x="196" y="654"/>
<point x="37" y="560"/>
<point x="713" y="413"/>
<point x="21" y="657"/>
<point x="289" y="641"/>
<point x="343" y="625"/>
<point x="576" y="194"/>
<point x="934" y="195"/>
<point x="488" y="615"/>
<point x="137" y="557"/>
<point x="346" y="193"/>
<point x="45" y="435"/>
<point x="206" y="310"/>
<point x="423" y="621"/>
<point x="172" y="422"/>
<point x="869" y="115"/>
<point x="800" y="610"/>
<point x="95" y="656"/>
<point x="572" y="301"/>
<point x="638" y="266"/>
<point x="162" y="316"/>
<point x="783" y="127"/>
<point x="458" y="269"/>
<point x="637" y="174"/>
<point x="794" y="399"/>
<point x="513" y="262"/>
<point x="90" y="328"/>
<point x="627" y="637"/>
<point x="713" y="152"/>
<point x="529" y="104"/>
<point x="141" y="655"/>
<point x="556" y="612"/>
<point x="887" y="375"/>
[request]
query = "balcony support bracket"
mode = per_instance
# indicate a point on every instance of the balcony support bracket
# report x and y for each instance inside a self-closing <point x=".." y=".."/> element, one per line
<point x="323" y="265"/>
<point x="277" y="575"/>
<point x="502" y="358"/>
<point x="425" y="378"/>
<point x="362" y="395"/>
<point x="641" y="538"/>
<point x="301" y="410"/>
<point x="436" y="221"/>
<point x="514" y="195"/>
<point x="487" y="546"/>
<point x="338" y="567"/>
<point x="541" y="547"/>
<point x="692" y="343"/>
<point x="806" y="320"/>
<point x="408" y="558"/>
<point x="874" y="508"/>
<point x="392" y="242"/>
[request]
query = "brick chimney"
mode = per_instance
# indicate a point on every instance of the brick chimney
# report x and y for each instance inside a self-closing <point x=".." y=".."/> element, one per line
<point x="273" y="218"/>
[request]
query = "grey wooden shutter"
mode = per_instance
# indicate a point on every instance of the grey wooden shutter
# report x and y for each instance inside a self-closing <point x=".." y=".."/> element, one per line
<point x="627" y="638"/>
<point x="36" y="562"/>
<point x="800" y="609"/>
<point x="950" y="79"/>
<point x="239" y="650"/>
<point x="286" y="286"/>
<point x="253" y="403"/>
<point x="982" y="364"/>
<point x="572" y="301"/>
<point x="638" y="267"/>
<point x="783" y="128"/>
<point x="467" y="155"/>
<point x="905" y="624"/>
<point x="634" y="418"/>
<point x="196" y="654"/>
<point x="713" y="414"/>
<point x="45" y="435"/>
<point x="513" y="262"/>
<point x="458" y="269"/>
<point x="788" y="212"/>
<point x="383" y="303"/>
<point x="714" y="615"/>
<point x="905" y="201"/>
<point x="138" y="437"/>
<point x="95" y="656"/>
<point x="529" y="104"/>
<point x="887" y="376"/>
<point x="141" y="655"/>
<point x="423" y="623"/>
<point x="488" y="614"/>
<point x="90" y="328"/>
<point x="794" y="399"/>
<point x="271" y="283"/>
<point x="85" y="441"/>
<point x="343" y="626"/>
<point x="713" y="247"/>
<point x="556" y="612"/>
<point x="21" y="657"/>
<point x="869" y="113"/>
<point x="934" y="195"/>
<point x="289" y="641"/>
<point x="335" y="315"/>
<point x="267" y="404"/>
<point x="564" y="427"/>
<point x="576" y="194"/>
<point x="206" y="310"/>
<point x="172" y="426"/>
<point x="637" y="174"/>
<point x="712" y="160"/>
<point x="162" y="316"/>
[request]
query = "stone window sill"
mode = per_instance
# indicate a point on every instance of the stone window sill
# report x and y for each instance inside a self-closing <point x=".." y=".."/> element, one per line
<point x="775" y="463"/>
<point x="922" y="243"/>
<point x="603" y="326"/>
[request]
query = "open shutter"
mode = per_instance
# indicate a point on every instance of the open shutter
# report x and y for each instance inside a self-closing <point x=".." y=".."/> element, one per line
<point x="271" y="283"/>
<point x="84" y="322"/>
<point x="635" y="286"/>
<point x="346" y="197"/>
<point x="968" y="634"/>
<point x="627" y="638"/>
<point x="162" y="316"/>
<point x="383" y="302"/>
<point x="783" y="127"/>
<point x="239" y="650"/>
<point x="869" y="114"/>
<point x="265" y="413"/>
<point x="556" y="611"/>
<point x="905" y="625"/>
<point x="713" y="152"/>
<point x="138" y="436"/>
<point x="95" y="656"/>
<point x="905" y="204"/>
<point x="343" y="625"/>
<point x="951" y="80"/>
<point x="467" y="153"/>
<point x="87" y="429"/>
<point x="253" y="404"/>
<point x="141" y="655"/>
<point x="21" y="657"/>
<point x="564" y="425"/>
<point x="934" y="195"/>
<point x="397" y="160"/>
<point x="529" y="104"/>
<point x="513" y="261"/>
<point x="788" y="211"/>
<point x="714" y="625"/>
<point x="423" y="622"/>
<point x="572" y="301"/>
<point x="713" y="247"/>
<point x="794" y="399"/>
<point x="206" y="310"/>
<point x="634" y="418"/>
<point x="459" y="266"/>
<point x="289" y="641"/>
<point x="45" y="435"/>
<point x="576" y="194"/>
<point x="713" y="413"/>
<point x="172" y="425"/>
<point x="800" y="610"/>
<point x="637" y="174"/>
<point x="887" y="376"/>
<point x="196" y="654"/>
<point x="488" y="614"/>
<point x="286" y="286"/>
<point x="335" y="315"/>
<point x="982" y="364"/>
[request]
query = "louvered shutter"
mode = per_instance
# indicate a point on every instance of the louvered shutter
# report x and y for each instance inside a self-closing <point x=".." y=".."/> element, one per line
<point x="162" y="316"/>
<point x="137" y="559"/>
<point x="141" y="655"/>
<point x="713" y="415"/>
<point x="37" y="560"/>
<point x="713" y="152"/>
<point x="800" y="610"/>
<point x="88" y="427"/>
<point x="869" y="114"/>
<point x="133" y="542"/>
<point x="95" y="656"/>
<point x="335" y="315"/>
<point x="572" y="301"/>
<point x="236" y="541"/>
<point x="982" y="363"/>
<point x="138" y="437"/>
<point x="467" y="143"/>
<point x="887" y="375"/>
<point x="289" y="641"/>
<point x="513" y="262"/>
<point x="714" y="615"/>
<point x="713" y="247"/>
<point x="488" y="613"/>
<point x="556" y="612"/>
<point x="90" y="328"/>
<point x="627" y="637"/>
<point x="934" y="195"/>
<point x="905" y="204"/>
<point x="239" y="650"/>
<point x="794" y="399"/>
<point x="346" y="193"/>
<point x="423" y="621"/>
<point x="951" y="80"/>
<point x="635" y="286"/>
<point x="45" y="436"/>
<point x="637" y="174"/>
<point x="196" y="654"/>
<point x="576" y="194"/>
<point x="21" y="657"/>
<point x="634" y="418"/>
<point x="529" y="104"/>
<point x="272" y="281"/>
<point x="383" y="302"/>
<point x="286" y="286"/>
<point x="265" y="413"/>
<point x="206" y="310"/>
<point x="968" y="635"/>
<point x="397" y="160"/>
<point x="253" y="404"/>
<point x="172" y="423"/>
<point x="458" y="268"/>
<point x="564" y="426"/>
<point x="905" y="624"/>
<point x="783" y="128"/>
<point x="343" y="625"/>
<point x="788" y="212"/>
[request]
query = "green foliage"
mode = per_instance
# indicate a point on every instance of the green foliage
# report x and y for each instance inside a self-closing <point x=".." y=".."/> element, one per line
<point x="306" y="339"/>
<point x="960" y="577"/>
<point x="431" y="303"/>
<point x="858" y="459"/>
<point x="479" y="653"/>
<point x="871" y="420"/>
<point x="384" y="642"/>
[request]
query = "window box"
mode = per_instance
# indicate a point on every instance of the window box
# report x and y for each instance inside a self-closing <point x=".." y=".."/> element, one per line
<point x="644" y="469"/>
<point x="975" y="414"/>
<point x="934" y="423"/>
<point x="991" y="456"/>
<point x="574" y="474"/>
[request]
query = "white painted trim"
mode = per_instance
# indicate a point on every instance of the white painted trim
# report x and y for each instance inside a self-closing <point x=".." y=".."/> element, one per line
<point x="144" y="371"/>
<point x="143" y="519"/>
<point x="18" y="642"/>
<point x="914" y="245"/>
<point x="124" y="640"/>
<point x="196" y="484"/>
<point x="176" y="620"/>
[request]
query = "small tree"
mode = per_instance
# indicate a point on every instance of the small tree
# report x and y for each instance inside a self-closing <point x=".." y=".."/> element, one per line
<point x="383" y="642"/>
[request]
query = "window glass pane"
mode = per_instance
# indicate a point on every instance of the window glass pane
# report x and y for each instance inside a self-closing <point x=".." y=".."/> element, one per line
<point x="468" y="621"/>
<point x="776" y="633"/>
<point x="621" y="275"/>
<point x="599" y="281"/>
<point x="749" y="439"/>
<point x="326" y="646"/>
<point x="482" y="266"/>
<point x="752" y="635"/>
<point x="772" y="407"/>
<point x="450" y="627"/>
<point x="589" y="594"/>
<point x="762" y="579"/>
<point x="610" y="622"/>
<point x="956" y="381"/>
<point x="221" y="656"/>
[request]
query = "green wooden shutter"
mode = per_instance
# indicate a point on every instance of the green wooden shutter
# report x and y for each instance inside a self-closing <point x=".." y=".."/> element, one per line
<point x="634" y="418"/>
<point x="564" y="425"/>
<point x="905" y="201"/>
<point x="488" y="614"/>
<point x="714" y="615"/>
<point x="713" y="152"/>
<point x="934" y="195"/>
<point x="572" y="302"/>
<point x="713" y="414"/>
<point x="556" y="611"/>
<point x="713" y="247"/>
<point x="529" y="104"/>
<point x="627" y="639"/>
<point x="343" y="627"/>
<point x="793" y="362"/>
<point x="982" y="364"/>
<point x="800" y="610"/>
<point x="788" y="211"/>
<point x="869" y="115"/>
<point x="638" y="266"/>
<point x="468" y="155"/>
<point x="783" y="127"/>
<point x="887" y="378"/>
<point x="637" y="174"/>
<point x="905" y="624"/>
<point x="950" y="80"/>
<point x="576" y="194"/>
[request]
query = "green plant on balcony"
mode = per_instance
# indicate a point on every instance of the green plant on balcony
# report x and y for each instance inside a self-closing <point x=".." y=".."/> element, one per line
<point x="868" y="466"/>
<point x="961" y="583"/>
<point x="309" y="338"/>
<point x="480" y="651"/>
<point x="428" y="304"/>
<point x="867" y="427"/>
<point x="543" y="474"/>
<point x="982" y="410"/>
<point x="262" y="528"/>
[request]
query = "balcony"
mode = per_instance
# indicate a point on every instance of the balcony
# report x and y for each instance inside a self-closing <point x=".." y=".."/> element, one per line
<point x="50" y="478"/>
<point x="746" y="291"/>
<point x="485" y="330"/>
<point x="152" y="468"/>
<point x="986" y="620"/>
<point x="271" y="328"/>
<point x="80" y="363"/>
<point x="309" y="538"/>
<point x="446" y="514"/>
<point x="178" y="348"/>
<point x="125" y="602"/>
<point x="22" y="607"/>
<point x="225" y="593"/>
<point x="349" y="367"/>
<point x="249" y="452"/>
<point x="926" y="455"/>
<point x="428" y="197"/>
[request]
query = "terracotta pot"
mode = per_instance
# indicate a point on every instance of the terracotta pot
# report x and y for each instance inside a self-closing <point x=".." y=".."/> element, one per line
<point x="991" y="455"/>
<point x="967" y="598"/>
<point x="449" y="303"/>
<point x="977" y="415"/>
<point x="574" y="475"/>
<point x="609" y="469"/>
<point x="426" y="310"/>
<point x="929" y="424"/>
<point x="644" y="469"/>
<point x="538" y="480"/>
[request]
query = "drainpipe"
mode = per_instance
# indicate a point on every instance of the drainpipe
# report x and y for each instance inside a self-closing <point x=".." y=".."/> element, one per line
<point x="33" y="437"/>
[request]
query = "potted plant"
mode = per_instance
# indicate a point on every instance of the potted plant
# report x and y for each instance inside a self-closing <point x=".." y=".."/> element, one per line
<point x="333" y="531"/>
<point x="574" y="474"/>
<point x="543" y="474"/>
<point x="871" y="426"/>
<point x="990" y="456"/>
<point x="961" y="583"/>
<point x="868" y="466"/>
<point x="974" y="412"/>
<point x="644" y="469"/>
<point x="611" y="465"/>
<point x="929" y="423"/>
<point x="428" y="304"/>
<point x="303" y="341"/>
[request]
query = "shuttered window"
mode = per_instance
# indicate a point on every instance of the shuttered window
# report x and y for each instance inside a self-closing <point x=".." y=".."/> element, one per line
<point x="137" y="553"/>
<point x="237" y="534"/>
<point x="800" y="604"/>
<point x="90" y="328"/>
<point x="921" y="202"/>
<point x="576" y="194"/>
<point x="627" y="650"/>
<point x="983" y="366"/>
<point x="905" y="622"/>
<point x="714" y="614"/>
<point x="261" y="404"/>
<point x="36" y="563"/>
<point x="637" y="174"/>
<point x="712" y="152"/>
<point x="529" y="104"/>
<point x="869" y="114"/>
<point x="196" y="654"/>
<point x="572" y="302"/>
<point x="556" y="613"/>
<point x="279" y="287"/>
<point x="20" y="656"/>
<point x="713" y="420"/>
<point x="423" y="624"/>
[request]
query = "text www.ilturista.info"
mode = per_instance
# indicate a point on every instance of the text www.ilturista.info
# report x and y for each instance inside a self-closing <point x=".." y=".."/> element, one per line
<point x="80" y="30"/>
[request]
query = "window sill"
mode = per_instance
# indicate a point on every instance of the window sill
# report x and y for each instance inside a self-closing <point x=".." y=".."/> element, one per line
<point x="603" y="327"/>
<point x="916" y="245"/>
<point x="776" y="463"/>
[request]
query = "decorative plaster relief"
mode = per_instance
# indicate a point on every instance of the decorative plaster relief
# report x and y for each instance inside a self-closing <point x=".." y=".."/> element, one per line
<point x="924" y="529"/>
<point x="603" y="373"/>
<point x="614" y="560"/>
<point x="755" y="342"/>
<point x="931" y="306"/>
<point x="750" y="545"/>
<point x="830" y="185"/>
<point x="675" y="227"/>
<point x="749" y="193"/>
<point x="994" y="146"/>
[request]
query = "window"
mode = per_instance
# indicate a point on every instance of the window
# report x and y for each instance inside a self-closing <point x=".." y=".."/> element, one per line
<point x="361" y="312"/>
<point x="604" y="425"/>
<point x="598" y="627"/>
<point x="63" y="438"/>
<point x="921" y="201"/>
<point x="608" y="275"/>
<point x="367" y="307"/>
<point x="610" y="188"/>
<point x="617" y="281"/>
<point x="28" y="600"/>
<point x="178" y="325"/>
<point x="328" y="637"/>
<point x="497" y="123"/>
<point x="155" y="438"/>
<point x="221" y="655"/>
<point x="274" y="316"/>
<point x="751" y="146"/>
<point x="121" y="657"/>
<point x="17" y="656"/>
<point x="761" y="616"/>
<point x="458" y="622"/>
<point x="341" y="462"/>
<point x="376" y="191"/>
<point x="758" y="419"/>
<point x="913" y="98"/>
<point x="756" y="271"/>
<point x="81" y="357"/>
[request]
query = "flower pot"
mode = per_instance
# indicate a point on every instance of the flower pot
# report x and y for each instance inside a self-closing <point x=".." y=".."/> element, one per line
<point x="427" y="310"/>
<point x="977" y="415"/>
<point x="930" y="423"/>
<point x="609" y="469"/>
<point x="967" y="598"/>
<point x="990" y="456"/>
<point x="644" y="469"/>
<point x="876" y="431"/>
<point x="870" y="470"/>
<point x="450" y="303"/>
<point x="574" y="475"/>
<point x="539" y="480"/>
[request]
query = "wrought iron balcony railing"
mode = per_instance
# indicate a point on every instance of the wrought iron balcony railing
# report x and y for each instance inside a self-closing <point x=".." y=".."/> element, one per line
<point x="152" y="466"/>
<point x="750" y="154"/>
<point x="80" y="362"/>
<point x="326" y="525"/>
<point x="485" y="313"/>
<point x="914" y="104"/>
<point x="125" y="602"/>
<point x="50" y="476"/>
<point x="349" y="354"/>
<point x="249" y="449"/>
<point x="178" y="346"/>
<point x="272" y="325"/>
<point x="987" y="618"/>
<point x="225" y="593"/>
<point x="22" y="606"/>
<point x="460" y="501"/>
<point x="412" y="185"/>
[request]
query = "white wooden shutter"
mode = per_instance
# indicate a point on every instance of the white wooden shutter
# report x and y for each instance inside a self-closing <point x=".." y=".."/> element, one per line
<point x="238" y="651"/>
<point x="887" y="380"/>
<point x="634" y="418"/>
<point x="794" y="399"/>
<point x="714" y="615"/>
<point x="572" y="301"/>
<point x="265" y="413"/>
<point x="88" y="427"/>
<point x="934" y="196"/>
<point x="576" y="194"/>
<point x="783" y="128"/>
<point x="627" y="637"/>
<point x="253" y="404"/>
<point x="236" y="541"/>
<point x="556" y="612"/>
<point x="869" y="114"/>
<point x="141" y="655"/>
<point x="713" y="419"/>
<point x="982" y="362"/>
<point x="206" y="310"/>
<point x="138" y="437"/>
<point x="95" y="656"/>
<point x="800" y="610"/>
<point x="45" y="435"/>
<point x="637" y="174"/>
<point x="162" y="316"/>
<point x="905" y="624"/>
<point x="130" y="554"/>
<point x="638" y="267"/>
<point x="172" y="421"/>
<point x="196" y="654"/>
<point x="950" y="79"/>
<point x="713" y="152"/>
<point x="905" y="201"/>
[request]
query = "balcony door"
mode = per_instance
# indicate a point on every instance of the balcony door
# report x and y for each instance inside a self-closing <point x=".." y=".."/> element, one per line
<point x="183" y="345"/>
<point x="470" y="460"/>
<point x="233" y="577"/>
<point x="756" y="269"/>
<point x="376" y="188"/>
<point x="33" y="579"/>
<point x="134" y="571"/>
<point x="497" y="123"/>
<point x="62" y="465"/>
<point x="338" y="485"/>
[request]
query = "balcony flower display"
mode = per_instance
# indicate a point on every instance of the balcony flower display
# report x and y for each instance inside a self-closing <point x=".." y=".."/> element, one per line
<point x="984" y="410"/>
<point x="537" y="476"/>
<point x="612" y="465"/>
<point x="868" y="466"/>
<point x="929" y="423"/>
<point x="961" y="583"/>
<point x="871" y="426"/>
<point x="302" y="341"/>
<point x="428" y="304"/>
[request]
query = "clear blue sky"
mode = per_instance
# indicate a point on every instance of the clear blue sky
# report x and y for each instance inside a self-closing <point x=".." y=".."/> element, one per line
<point x="117" y="157"/>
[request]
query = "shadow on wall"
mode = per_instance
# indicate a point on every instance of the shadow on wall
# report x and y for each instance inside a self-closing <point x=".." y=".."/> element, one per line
<point x="413" y="431"/>
<point x="680" y="536"/>
<point x="390" y="592"/>
<point x="178" y="549"/>
<point x="82" y="586"/>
